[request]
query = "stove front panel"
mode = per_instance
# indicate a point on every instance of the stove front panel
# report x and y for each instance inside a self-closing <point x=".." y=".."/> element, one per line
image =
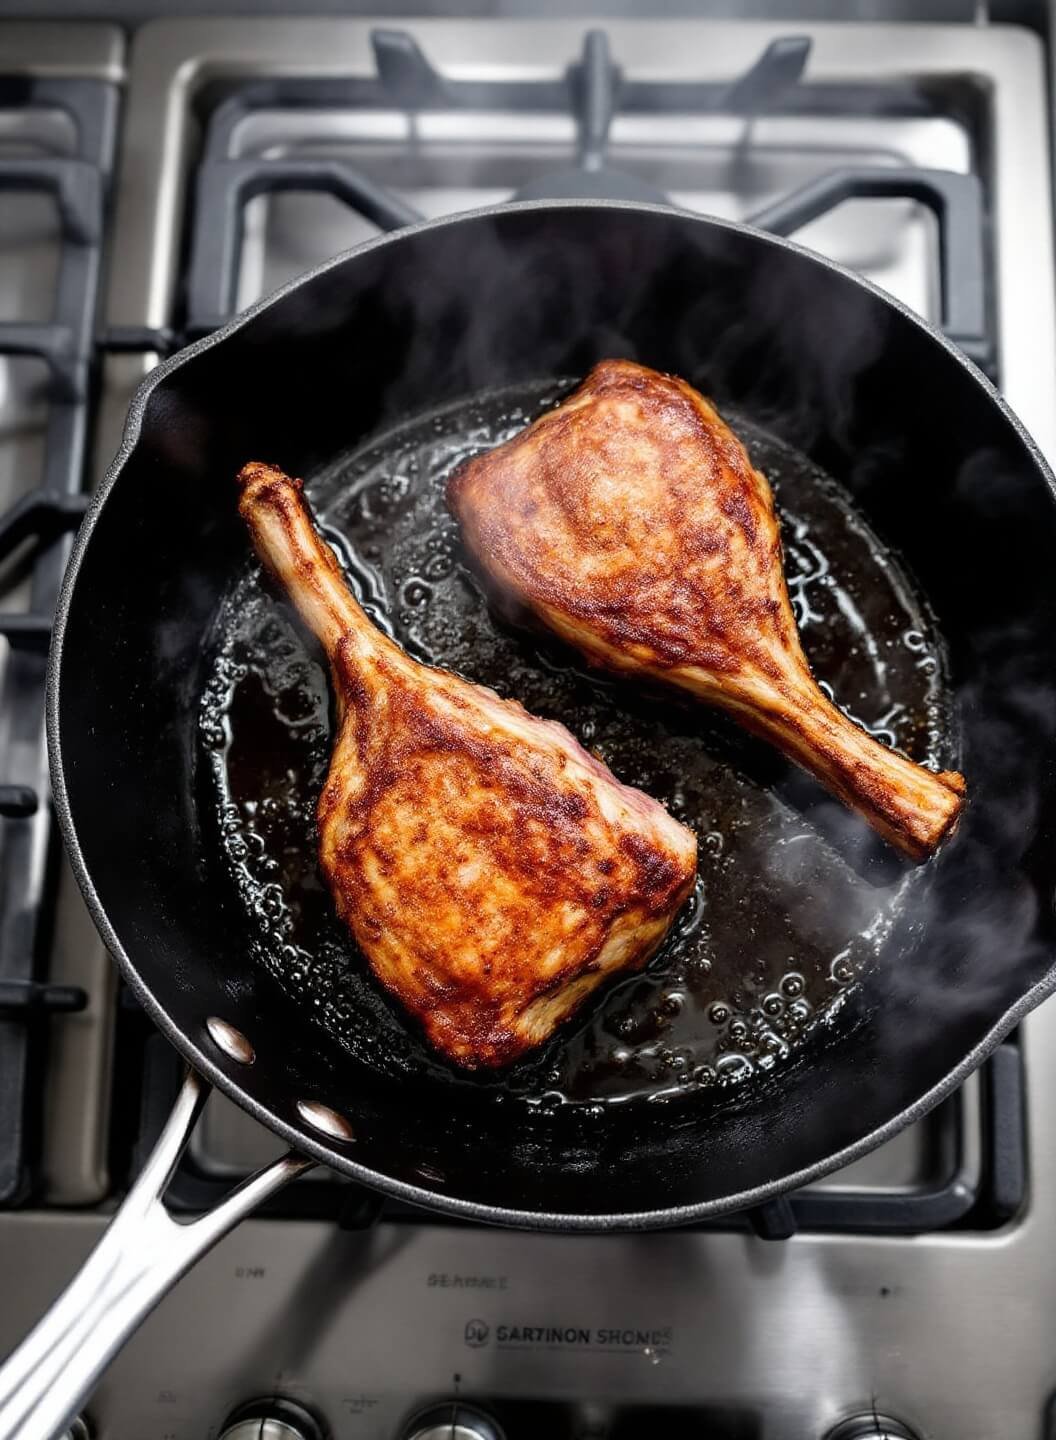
<point x="573" y="1336"/>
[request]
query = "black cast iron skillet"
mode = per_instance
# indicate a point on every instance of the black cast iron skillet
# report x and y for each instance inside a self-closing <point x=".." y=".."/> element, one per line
<point x="928" y="453"/>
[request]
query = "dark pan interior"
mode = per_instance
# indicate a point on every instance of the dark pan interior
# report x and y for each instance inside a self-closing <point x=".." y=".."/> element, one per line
<point x="794" y="895"/>
<point x="809" y="356"/>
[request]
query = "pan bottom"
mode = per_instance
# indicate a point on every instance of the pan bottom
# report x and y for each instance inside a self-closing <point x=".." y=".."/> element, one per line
<point x="795" y="896"/>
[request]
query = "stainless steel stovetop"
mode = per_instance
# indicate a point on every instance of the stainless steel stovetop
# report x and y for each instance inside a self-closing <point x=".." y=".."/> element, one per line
<point x="717" y="1333"/>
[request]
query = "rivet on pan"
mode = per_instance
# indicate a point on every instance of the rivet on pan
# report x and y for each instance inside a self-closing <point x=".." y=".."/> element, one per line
<point x="231" y="1041"/>
<point x="327" y="1121"/>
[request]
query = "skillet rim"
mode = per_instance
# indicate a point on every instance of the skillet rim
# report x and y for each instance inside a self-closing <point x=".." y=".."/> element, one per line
<point x="298" y="1136"/>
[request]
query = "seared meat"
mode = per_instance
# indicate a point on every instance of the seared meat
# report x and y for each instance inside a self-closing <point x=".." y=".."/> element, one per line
<point x="630" y="520"/>
<point x="493" y="872"/>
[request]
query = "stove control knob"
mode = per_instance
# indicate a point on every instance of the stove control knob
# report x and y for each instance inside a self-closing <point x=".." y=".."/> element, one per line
<point x="453" y="1421"/>
<point x="871" y="1427"/>
<point x="272" y="1419"/>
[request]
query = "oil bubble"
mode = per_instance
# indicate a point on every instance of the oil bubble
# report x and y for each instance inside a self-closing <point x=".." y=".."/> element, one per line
<point x="417" y="593"/>
<point x="733" y="1069"/>
<point x="738" y="1031"/>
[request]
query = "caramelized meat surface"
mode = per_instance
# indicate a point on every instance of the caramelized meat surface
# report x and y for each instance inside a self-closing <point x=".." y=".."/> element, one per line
<point x="492" y="871"/>
<point x="631" y="521"/>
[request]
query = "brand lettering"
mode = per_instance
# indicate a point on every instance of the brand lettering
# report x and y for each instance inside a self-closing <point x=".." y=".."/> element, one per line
<point x="541" y="1335"/>
<point x="616" y="1337"/>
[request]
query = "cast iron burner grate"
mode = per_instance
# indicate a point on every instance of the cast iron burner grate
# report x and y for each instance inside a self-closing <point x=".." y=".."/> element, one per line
<point x="65" y="345"/>
<point x="593" y="89"/>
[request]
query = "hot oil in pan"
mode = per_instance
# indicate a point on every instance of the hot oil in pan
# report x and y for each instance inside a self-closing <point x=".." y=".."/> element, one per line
<point x="794" y="896"/>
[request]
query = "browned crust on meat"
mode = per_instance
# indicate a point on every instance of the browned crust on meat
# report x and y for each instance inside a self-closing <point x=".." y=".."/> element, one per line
<point x="650" y="446"/>
<point x="631" y="521"/>
<point x="480" y="861"/>
<point x="492" y="871"/>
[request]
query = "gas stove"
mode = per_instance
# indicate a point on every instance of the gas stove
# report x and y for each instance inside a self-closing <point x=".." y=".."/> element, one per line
<point x="150" y="192"/>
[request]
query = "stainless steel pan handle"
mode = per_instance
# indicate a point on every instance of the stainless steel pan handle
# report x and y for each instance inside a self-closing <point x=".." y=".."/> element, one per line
<point x="140" y="1257"/>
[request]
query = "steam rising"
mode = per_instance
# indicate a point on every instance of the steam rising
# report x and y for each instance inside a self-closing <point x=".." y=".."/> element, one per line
<point x="947" y="947"/>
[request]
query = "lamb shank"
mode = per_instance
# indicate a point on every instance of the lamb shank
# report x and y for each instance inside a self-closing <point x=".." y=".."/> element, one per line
<point x="492" y="871"/>
<point x="631" y="521"/>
